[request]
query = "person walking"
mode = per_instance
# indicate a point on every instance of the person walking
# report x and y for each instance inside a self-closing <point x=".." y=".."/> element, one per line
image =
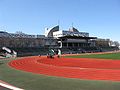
<point x="59" y="53"/>
<point x="51" y="53"/>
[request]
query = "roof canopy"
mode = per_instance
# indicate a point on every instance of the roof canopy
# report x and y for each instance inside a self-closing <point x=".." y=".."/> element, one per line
<point x="76" y="37"/>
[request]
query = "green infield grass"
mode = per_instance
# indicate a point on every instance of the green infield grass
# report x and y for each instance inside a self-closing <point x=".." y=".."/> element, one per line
<point x="101" y="56"/>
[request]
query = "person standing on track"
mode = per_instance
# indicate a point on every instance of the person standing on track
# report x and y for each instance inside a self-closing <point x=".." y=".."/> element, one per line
<point x="51" y="53"/>
<point x="59" y="53"/>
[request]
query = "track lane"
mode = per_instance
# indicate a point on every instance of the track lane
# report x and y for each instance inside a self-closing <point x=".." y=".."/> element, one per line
<point x="83" y="68"/>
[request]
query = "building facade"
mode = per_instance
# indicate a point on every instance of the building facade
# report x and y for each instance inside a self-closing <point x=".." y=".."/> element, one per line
<point x="54" y="37"/>
<point x="71" y="38"/>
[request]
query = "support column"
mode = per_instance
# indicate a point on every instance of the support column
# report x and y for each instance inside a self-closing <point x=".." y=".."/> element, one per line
<point x="60" y="44"/>
<point x="73" y="45"/>
<point x="67" y="44"/>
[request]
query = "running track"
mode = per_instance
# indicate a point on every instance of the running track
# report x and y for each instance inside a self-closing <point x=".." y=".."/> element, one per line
<point x="82" y="68"/>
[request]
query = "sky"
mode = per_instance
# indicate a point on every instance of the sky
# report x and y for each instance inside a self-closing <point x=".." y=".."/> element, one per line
<point x="100" y="18"/>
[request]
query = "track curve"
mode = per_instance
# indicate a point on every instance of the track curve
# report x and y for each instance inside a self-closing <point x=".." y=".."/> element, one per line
<point x="82" y="68"/>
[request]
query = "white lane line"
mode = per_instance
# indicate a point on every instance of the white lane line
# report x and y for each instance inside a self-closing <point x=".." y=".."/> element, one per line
<point x="10" y="87"/>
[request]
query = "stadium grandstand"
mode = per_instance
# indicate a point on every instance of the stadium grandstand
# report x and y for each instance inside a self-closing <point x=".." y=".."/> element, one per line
<point x="69" y="41"/>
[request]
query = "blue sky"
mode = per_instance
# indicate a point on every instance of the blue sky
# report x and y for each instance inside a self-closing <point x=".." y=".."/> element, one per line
<point x="100" y="18"/>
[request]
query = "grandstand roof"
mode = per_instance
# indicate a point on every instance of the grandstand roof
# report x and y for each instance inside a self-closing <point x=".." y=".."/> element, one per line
<point x="76" y="37"/>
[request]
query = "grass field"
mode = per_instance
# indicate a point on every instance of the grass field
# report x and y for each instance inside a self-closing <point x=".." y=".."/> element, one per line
<point x="30" y="81"/>
<point x="102" y="56"/>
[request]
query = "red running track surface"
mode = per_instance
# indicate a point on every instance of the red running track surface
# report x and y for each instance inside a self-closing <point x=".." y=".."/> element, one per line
<point x="82" y="68"/>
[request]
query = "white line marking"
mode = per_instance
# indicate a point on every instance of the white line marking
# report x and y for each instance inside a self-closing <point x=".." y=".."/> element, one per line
<point x="10" y="87"/>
